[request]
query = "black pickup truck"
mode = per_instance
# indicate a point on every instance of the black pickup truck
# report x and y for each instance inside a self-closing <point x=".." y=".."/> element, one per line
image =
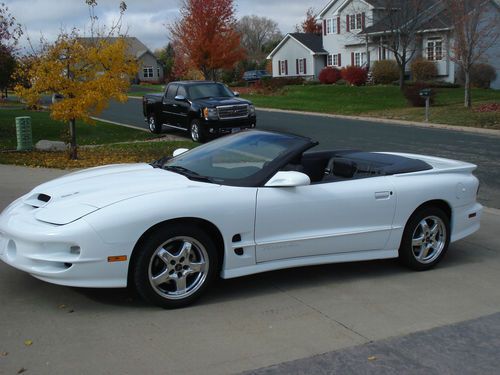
<point x="204" y="108"/>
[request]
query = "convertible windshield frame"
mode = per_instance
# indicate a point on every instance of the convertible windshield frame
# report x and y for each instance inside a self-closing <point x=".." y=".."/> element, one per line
<point x="248" y="158"/>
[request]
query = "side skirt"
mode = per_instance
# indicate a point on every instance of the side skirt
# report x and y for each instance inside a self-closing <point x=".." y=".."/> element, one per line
<point x="309" y="261"/>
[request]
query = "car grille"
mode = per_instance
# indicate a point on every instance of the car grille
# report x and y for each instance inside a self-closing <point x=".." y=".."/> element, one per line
<point x="233" y="111"/>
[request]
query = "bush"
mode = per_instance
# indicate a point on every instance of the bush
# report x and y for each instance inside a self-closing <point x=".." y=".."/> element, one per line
<point x="481" y="75"/>
<point x="385" y="72"/>
<point x="354" y="75"/>
<point x="329" y="75"/>
<point x="412" y="94"/>
<point x="423" y="70"/>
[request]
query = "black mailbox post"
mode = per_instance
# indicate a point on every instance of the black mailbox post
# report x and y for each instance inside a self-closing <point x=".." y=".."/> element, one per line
<point x="426" y="94"/>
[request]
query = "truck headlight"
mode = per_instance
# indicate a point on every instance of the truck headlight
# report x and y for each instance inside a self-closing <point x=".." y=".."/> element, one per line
<point x="251" y="110"/>
<point x="210" y="113"/>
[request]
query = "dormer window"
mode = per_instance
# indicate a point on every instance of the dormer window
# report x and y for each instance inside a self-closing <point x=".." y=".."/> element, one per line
<point x="330" y="26"/>
<point x="356" y="21"/>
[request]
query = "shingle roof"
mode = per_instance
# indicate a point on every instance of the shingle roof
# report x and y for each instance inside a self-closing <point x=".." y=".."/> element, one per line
<point x="430" y="10"/>
<point x="312" y="41"/>
<point x="134" y="46"/>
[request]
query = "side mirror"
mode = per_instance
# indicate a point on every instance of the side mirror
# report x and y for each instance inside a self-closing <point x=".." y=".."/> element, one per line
<point x="179" y="151"/>
<point x="236" y="93"/>
<point x="180" y="98"/>
<point x="288" y="179"/>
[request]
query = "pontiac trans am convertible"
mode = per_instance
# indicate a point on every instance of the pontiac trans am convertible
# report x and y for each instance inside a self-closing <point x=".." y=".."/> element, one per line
<point x="250" y="202"/>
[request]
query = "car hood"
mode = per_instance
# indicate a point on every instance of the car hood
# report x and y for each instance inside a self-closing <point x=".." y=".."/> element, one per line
<point x="73" y="196"/>
<point x="215" y="102"/>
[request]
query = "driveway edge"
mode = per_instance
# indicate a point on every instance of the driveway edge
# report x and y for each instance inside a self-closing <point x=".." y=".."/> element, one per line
<point x="428" y="125"/>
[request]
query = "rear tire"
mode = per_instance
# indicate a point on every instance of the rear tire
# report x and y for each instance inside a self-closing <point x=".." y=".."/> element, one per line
<point x="425" y="239"/>
<point x="153" y="125"/>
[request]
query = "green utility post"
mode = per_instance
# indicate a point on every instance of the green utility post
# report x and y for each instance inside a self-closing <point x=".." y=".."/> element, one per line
<point x="24" y="135"/>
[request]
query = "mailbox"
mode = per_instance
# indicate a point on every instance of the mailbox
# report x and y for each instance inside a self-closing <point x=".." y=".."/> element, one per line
<point x="425" y="93"/>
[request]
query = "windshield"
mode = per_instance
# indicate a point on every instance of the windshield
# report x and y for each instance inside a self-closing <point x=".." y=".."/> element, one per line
<point x="243" y="159"/>
<point x="209" y="90"/>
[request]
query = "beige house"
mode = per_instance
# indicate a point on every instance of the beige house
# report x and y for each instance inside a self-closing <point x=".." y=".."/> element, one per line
<point x="150" y="69"/>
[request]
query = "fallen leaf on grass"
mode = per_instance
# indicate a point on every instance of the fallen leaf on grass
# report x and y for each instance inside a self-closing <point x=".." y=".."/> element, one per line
<point x="62" y="306"/>
<point x="71" y="311"/>
<point x="28" y="342"/>
<point x="4" y="354"/>
<point x="21" y="370"/>
<point x="372" y="358"/>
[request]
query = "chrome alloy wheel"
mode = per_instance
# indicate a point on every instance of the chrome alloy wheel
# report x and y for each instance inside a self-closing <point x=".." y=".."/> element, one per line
<point x="178" y="268"/>
<point x="152" y="124"/>
<point x="429" y="239"/>
<point x="195" y="132"/>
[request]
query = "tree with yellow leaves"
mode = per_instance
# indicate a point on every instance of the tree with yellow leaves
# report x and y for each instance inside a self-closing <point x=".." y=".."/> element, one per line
<point x="86" y="73"/>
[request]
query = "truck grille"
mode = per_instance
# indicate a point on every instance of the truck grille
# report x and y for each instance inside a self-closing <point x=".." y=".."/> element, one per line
<point x="233" y="111"/>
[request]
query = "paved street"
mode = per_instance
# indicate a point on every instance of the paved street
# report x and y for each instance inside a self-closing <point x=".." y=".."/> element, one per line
<point x="483" y="150"/>
<point x="343" y="310"/>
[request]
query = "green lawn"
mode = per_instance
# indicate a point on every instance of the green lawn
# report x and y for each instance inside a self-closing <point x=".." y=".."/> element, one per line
<point x="381" y="101"/>
<point x="143" y="89"/>
<point x="44" y="127"/>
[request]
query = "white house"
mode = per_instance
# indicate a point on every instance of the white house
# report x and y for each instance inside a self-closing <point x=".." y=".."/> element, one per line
<point x="353" y="34"/>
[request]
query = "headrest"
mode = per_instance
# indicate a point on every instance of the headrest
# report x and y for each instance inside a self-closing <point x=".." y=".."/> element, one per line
<point x="343" y="167"/>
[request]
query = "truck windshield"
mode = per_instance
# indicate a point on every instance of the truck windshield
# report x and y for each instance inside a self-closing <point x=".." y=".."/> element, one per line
<point x="209" y="90"/>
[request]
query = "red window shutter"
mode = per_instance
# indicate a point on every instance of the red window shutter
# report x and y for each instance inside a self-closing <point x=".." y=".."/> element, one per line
<point x="297" y="66"/>
<point x="339" y="62"/>
<point x="324" y="27"/>
<point x="363" y="21"/>
<point x="286" y="67"/>
<point x="279" y="67"/>
<point x="347" y="23"/>
<point x="338" y="25"/>
<point x="352" y="58"/>
<point x="305" y="66"/>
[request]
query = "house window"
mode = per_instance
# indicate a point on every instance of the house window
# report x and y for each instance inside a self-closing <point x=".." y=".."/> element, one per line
<point x="356" y="21"/>
<point x="435" y="50"/>
<point x="147" y="71"/>
<point x="330" y="26"/>
<point x="329" y="60"/>
<point x="158" y="71"/>
<point x="360" y="58"/>
<point x="282" y="67"/>
<point x="335" y="60"/>
<point x="301" y="66"/>
<point x="352" y="20"/>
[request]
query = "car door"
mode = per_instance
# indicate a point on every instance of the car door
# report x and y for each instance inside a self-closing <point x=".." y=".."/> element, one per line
<point x="180" y="108"/>
<point x="324" y="219"/>
<point x="167" y="108"/>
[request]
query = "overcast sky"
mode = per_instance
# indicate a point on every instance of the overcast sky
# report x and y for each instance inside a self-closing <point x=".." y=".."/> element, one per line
<point x="144" y="19"/>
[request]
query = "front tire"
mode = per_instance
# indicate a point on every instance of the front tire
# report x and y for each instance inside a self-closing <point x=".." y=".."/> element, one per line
<point x="153" y="125"/>
<point x="175" y="266"/>
<point x="425" y="239"/>
<point x="196" y="131"/>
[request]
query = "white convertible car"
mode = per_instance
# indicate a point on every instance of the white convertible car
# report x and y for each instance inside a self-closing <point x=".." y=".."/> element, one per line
<point x="251" y="202"/>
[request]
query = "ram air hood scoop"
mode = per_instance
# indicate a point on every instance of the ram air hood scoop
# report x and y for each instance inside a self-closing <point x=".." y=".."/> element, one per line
<point x="71" y="197"/>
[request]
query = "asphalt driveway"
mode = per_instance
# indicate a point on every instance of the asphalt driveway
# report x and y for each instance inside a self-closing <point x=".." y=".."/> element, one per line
<point x="339" y="133"/>
<point x="261" y="320"/>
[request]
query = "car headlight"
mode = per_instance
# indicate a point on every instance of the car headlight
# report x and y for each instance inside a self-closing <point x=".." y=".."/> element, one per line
<point x="251" y="110"/>
<point x="210" y="113"/>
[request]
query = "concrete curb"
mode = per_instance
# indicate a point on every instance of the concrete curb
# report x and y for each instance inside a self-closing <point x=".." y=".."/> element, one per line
<point x="119" y="123"/>
<point x="465" y="129"/>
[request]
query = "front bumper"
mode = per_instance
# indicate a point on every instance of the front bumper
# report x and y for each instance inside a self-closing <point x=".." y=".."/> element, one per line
<point x="220" y="127"/>
<point x="72" y="254"/>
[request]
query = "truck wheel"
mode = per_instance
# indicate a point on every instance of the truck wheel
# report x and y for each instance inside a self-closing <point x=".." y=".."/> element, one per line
<point x="197" y="133"/>
<point x="154" y="126"/>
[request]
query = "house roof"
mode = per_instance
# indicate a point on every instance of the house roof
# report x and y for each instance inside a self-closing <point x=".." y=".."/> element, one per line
<point x="431" y="14"/>
<point x="134" y="46"/>
<point x="312" y="42"/>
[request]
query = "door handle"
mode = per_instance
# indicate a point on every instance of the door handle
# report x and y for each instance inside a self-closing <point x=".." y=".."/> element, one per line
<point x="174" y="105"/>
<point x="383" y="194"/>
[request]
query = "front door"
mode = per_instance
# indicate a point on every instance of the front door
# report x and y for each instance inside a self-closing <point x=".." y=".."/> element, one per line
<point x="324" y="219"/>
